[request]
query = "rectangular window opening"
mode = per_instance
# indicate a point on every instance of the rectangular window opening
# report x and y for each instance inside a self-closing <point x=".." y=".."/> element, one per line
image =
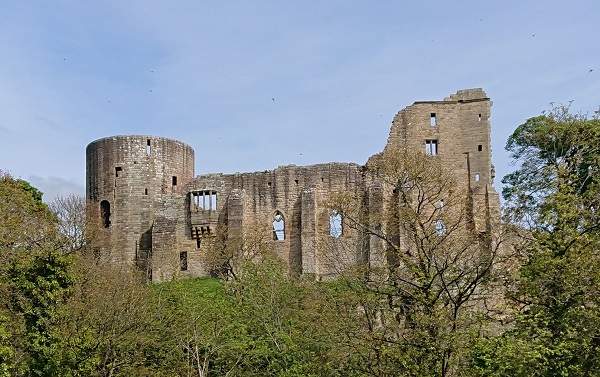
<point x="433" y="120"/>
<point x="479" y="117"/>
<point x="174" y="181"/>
<point x="118" y="169"/>
<point x="203" y="200"/>
<point x="148" y="147"/>
<point x="431" y="147"/>
<point x="145" y="191"/>
<point x="479" y="147"/>
<point x="183" y="262"/>
<point x="213" y="201"/>
<point x="477" y="177"/>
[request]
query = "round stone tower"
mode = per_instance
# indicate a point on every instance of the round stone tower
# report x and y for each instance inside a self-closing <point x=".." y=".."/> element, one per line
<point x="129" y="181"/>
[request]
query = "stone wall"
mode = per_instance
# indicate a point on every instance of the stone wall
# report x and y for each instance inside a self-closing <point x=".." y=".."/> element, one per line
<point x="130" y="179"/>
<point x="161" y="216"/>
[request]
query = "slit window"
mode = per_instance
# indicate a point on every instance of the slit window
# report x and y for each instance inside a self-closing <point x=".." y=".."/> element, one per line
<point x="479" y="118"/>
<point x="442" y="206"/>
<point x="477" y="177"/>
<point x="105" y="213"/>
<point x="433" y="120"/>
<point x="118" y="170"/>
<point x="183" y="261"/>
<point x="148" y="148"/>
<point x="145" y="191"/>
<point x="335" y="224"/>
<point x="174" y="181"/>
<point x="431" y="147"/>
<point x="278" y="227"/>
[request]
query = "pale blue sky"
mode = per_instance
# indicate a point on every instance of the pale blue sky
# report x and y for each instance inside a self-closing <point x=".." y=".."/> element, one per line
<point x="206" y="73"/>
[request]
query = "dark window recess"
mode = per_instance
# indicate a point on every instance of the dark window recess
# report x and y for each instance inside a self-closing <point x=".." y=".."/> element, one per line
<point x="183" y="263"/>
<point x="480" y="147"/>
<point x="198" y="242"/>
<point x="479" y="117"/>
<point x="105" y="213"/>
<point x="296" y="181"/>
<point x="118" y="170"/>
<point x="148" y="148"/>
<point x="145" y="191"/>
<point x="433" y="120"/>
<point x="174" y="181"/>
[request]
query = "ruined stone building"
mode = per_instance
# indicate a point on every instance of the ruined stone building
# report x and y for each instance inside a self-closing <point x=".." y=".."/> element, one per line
<point x="155" y="213"/>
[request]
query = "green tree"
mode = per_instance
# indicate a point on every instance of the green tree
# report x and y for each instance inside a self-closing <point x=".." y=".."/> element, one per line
<point x="417" y="310"/>
<point x="35" y="278"/>
<point x="554" y="195"/>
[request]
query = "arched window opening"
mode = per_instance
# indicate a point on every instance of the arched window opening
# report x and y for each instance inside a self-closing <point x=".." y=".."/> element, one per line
<point x="105" y="213"/>
<point x="440" y="227"/>
<point x="278" y="227"/>
<point x="335" y="224"/>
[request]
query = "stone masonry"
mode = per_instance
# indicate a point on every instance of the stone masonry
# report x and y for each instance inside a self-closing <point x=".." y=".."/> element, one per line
<point x="155" y="214"/>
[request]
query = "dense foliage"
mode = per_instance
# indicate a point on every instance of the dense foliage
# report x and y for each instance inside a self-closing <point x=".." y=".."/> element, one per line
<point x="554" y="195"/>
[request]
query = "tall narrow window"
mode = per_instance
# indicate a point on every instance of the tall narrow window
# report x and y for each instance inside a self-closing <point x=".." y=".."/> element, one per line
<point x="148" y="147"/>
<point x="105" y="213"/>
<point x="213" y="201"/>
<point x="278" y="227"/>
<point x="118" y="170"/>
<point x="433" y="120"/>
<point x="431" y="147"/>
<point x="183" y="262"/>
<point x="479" y="118"/>
<point x="335" y="224"/>
<point x="477" y="177"/>
<point x="174" y="181"/>
<point x="441" y="205"/>
<point x="479" y="148"/>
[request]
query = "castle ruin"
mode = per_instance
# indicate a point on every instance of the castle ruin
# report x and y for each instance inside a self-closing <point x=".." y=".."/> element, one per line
<point x="156" y="215"/>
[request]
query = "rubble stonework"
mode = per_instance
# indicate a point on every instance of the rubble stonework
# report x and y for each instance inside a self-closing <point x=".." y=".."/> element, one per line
<point x="155" y="213"/>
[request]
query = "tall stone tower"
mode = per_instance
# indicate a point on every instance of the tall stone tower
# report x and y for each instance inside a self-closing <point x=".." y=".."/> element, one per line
<point x="130" y="179"/>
